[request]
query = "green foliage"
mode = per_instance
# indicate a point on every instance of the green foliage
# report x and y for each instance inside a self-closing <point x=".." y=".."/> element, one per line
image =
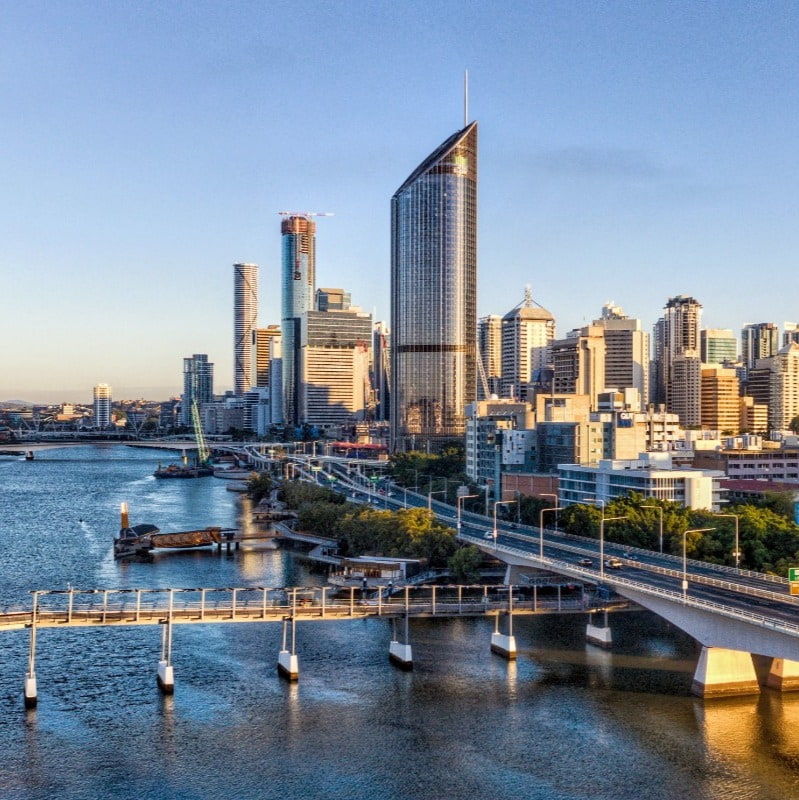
<point x="443" y="472"/>
<point x="295" y="493"/>
<point x="259" y="486"/>
<point x="793" y="425"/>
<point x="464" y="564"/>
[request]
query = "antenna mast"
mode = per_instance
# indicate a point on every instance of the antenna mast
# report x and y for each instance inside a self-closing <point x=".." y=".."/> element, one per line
<point x="465" y="97"/>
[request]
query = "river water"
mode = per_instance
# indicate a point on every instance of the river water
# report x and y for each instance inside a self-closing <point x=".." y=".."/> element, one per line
<point x="567" y="721"/>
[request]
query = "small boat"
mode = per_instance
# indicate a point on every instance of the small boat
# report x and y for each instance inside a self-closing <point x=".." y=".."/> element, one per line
<point x="132" y="541"/>
<point x="234" y="473"/>
<point x="178" y="471"/>
<point x="29" y="455"/>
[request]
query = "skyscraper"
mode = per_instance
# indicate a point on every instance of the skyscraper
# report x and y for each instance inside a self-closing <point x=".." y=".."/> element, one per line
<point x="102" y="405"/>
<point x="262" y="354"/>
<point x="718" y="346"/>
<point x="528" y="331"/>
<point x="299" y="281"/>
<point x="626" y="352"/>
<point x="434" y="295"/>
<point x="759" y="340"/>
<point x="245" y="317"/>
<point x="489" y="351"/>
<point x="677" y="335"/>
<point x="198" y="384"/>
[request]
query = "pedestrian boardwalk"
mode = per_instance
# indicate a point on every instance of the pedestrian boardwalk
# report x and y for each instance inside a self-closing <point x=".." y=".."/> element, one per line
<point x="104" y="607"/>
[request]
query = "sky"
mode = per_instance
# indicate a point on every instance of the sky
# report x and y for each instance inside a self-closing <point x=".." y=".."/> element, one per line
<point x="628" y="152"/>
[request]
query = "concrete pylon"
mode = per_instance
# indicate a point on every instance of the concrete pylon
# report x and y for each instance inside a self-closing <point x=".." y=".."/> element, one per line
<point x="783" y="675"/>
<point x="724" y="673"/>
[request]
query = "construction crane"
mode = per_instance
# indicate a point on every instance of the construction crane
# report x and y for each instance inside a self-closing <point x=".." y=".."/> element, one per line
<point x="482" y="373"/>
<point x="305" y="214"/>
<point x="203" y="452"/>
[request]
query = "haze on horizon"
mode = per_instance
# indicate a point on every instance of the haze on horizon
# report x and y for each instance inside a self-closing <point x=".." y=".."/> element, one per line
<point x="628" y="153"/>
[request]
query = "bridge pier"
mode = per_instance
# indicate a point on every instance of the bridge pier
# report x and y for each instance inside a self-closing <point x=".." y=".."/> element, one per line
<point x="399" y="654"/>
<point x="29" y="689"/>
<point x="166" y="674"/>
<point x="600" y="636"/>
<point x="504" y="644"/>
<point x="724" y="673"/>
<point x="783" y="675"/>
<point x="288" y="665"/>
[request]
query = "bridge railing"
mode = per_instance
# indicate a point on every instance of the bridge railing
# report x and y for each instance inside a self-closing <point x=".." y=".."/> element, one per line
<point x="614" y="580"/>
<point x="124" y="606"/>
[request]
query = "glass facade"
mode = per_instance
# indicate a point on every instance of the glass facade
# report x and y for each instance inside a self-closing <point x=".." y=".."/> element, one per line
<point x="245" y="316"/>
<point x="299" y="281"/>
<point x="434" y="296"/>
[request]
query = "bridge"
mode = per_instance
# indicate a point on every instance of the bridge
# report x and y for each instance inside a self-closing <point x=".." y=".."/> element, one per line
<point x="732" y="613"/>
<point x="91" y="608"/>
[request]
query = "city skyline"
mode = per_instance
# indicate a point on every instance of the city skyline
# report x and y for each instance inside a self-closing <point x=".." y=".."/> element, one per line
<point x="627" y="155"/>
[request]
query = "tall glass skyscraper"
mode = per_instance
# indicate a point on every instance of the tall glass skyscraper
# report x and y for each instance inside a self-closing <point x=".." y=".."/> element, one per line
<point x="299" y="284"/>
<point x="434" y="296"/>
<point x="245" y="320"/>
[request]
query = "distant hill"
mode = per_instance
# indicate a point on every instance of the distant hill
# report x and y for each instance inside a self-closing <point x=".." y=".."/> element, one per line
<point x="15" y="404"/>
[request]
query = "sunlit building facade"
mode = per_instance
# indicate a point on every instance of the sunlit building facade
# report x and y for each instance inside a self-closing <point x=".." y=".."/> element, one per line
<point x="299" y="284"/>
<point x="434" y="296"/>
<point x="245" y="318"/>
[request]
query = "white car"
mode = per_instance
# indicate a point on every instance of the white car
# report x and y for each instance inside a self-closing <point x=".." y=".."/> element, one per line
<point x="489" y="535"/>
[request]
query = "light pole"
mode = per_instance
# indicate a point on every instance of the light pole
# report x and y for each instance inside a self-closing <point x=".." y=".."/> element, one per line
<point x="430" y="497"/>
<point x="458" y="501"/>
<point x="660" y="528"/>
<point x="685" y="560"/>
<point x="737" y="552"/>
<point x="541" y="528"/>
<point x="499" y="503"/>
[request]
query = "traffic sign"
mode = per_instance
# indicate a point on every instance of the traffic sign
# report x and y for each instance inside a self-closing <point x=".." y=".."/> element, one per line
<point x="793" y="574"/>
<point x="795" y="588"/>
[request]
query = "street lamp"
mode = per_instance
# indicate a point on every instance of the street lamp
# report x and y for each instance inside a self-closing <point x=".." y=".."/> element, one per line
<point x="685" y="560"/>
<point x="541" y="528"/>
<point x="660" y="529"/>
<point x="737" y="551"/>
<point x="458" y="501"/>
<point x="430" y="497"/>
<point x="499" y="503"/>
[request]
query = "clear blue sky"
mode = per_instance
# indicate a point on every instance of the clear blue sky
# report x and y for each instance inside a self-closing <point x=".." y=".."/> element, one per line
<point x="628" y="152"/>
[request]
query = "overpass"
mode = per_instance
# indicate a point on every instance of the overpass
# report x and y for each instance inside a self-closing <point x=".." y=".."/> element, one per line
<point x="732" y="613"/>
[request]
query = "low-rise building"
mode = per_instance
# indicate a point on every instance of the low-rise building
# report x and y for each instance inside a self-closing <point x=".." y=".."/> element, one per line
<point x="652" y="475"/>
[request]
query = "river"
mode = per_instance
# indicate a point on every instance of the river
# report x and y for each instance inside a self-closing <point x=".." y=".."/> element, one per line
<point x="567" y="721"/>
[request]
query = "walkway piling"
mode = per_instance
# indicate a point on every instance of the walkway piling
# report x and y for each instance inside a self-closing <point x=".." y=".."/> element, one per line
<point x="288" y="665"/>
<point x="504" y="644"/>
<point x="400" y="654"/>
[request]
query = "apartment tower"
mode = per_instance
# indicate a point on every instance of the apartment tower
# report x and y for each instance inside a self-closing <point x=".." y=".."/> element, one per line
<point x="245" y="317"/>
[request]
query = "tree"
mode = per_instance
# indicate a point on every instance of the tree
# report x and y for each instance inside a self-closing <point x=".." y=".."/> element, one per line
<point x="793" y="425"/>
<point x="464" y="564"/>
<point x="259" y="486"/>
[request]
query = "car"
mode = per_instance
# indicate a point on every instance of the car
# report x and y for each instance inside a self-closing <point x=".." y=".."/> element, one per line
<point x="513" y="526"/>
<point x="613" y="563"/>
<point x="585" y="562"/>
<point x="489" y="535"/>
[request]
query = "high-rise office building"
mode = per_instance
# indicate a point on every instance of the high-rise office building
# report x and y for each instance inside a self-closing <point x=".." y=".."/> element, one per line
<point x="721" y="401"/>
<point x="677" y="334"/>
<point x="332" y="300"/>
<point x="434" y="296"/>
<point x="528" y="331"/>
<point x="102" y="405"/>
<point x="198" y="385"/>
<point x="790" y="332"/>
<point x="299" y="282"/>
<point x="579" y="363"/>
<point x="489" y="349"/>
<point x="245" y="318"/>
<point x="784" y="395"/>
<point x="718" y="346"/>
<point x="759" y="340"/>
<point x="262" y="354"/>
<point x="335" y="353"/>
<point x="626" y="353"/>
<point x="381" y="370"/>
